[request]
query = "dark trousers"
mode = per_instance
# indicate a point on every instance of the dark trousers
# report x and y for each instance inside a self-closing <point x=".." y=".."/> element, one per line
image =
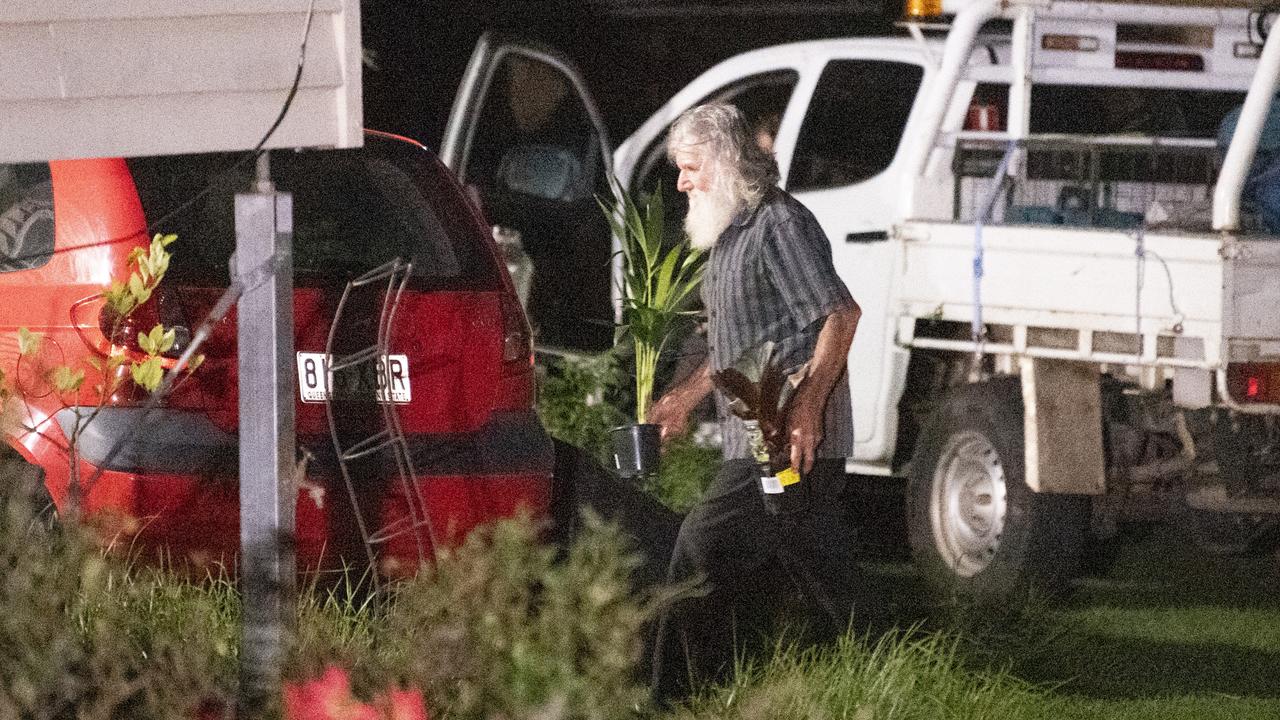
<point x="731" y="541"/>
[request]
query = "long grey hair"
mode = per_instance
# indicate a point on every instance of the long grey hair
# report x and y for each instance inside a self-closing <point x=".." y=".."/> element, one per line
<point x="722" y="132"/>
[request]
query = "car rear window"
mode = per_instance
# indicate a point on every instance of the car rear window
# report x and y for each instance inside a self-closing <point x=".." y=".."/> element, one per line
<point x="353" y="211"/>
<point x="26" y="216"/>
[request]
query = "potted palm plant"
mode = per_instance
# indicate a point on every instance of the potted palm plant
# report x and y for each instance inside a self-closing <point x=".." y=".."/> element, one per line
<point x="657" y="283"/>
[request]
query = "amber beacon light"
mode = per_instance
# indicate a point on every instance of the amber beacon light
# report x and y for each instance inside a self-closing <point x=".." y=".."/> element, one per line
<point x="922" y="9"/>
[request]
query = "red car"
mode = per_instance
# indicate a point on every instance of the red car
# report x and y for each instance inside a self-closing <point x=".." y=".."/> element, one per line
<point x="458" y="371"/>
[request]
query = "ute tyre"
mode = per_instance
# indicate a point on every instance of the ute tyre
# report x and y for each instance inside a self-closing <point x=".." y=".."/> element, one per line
<point x="977" y="532"/>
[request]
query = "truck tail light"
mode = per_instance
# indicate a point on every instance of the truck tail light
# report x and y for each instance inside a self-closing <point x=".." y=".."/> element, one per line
<point x="1135" y="60"/>
<point x="1254" y="382"/>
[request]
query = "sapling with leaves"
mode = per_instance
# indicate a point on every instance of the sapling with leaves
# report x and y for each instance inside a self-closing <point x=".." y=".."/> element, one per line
<point x="122" y="298"/>
<point x="657" y="284"/>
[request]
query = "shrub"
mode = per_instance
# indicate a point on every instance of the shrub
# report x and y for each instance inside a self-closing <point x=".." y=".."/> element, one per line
<point x="577" y="401"/>
<point x="686" y="471"/>
<point x="82" y="638"/>
<point x="499" y="629"/>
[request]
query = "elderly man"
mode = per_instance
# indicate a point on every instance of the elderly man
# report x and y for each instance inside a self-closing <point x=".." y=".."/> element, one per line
<point x="769" y="278"/>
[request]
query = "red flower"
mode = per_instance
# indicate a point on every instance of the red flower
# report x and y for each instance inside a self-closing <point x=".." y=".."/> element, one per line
<point x="327" y="697"/>
<point x="402" y="704"/>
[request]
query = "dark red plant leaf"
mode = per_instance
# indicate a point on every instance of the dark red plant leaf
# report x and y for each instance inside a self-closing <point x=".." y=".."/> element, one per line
<point x="736" y="385"/>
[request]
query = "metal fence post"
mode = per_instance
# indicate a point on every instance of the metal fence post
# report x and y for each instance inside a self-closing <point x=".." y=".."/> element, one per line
<point x="264" y="236"/>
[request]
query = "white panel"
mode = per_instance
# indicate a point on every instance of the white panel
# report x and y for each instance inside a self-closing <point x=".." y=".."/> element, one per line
<point x="148" y="77"/>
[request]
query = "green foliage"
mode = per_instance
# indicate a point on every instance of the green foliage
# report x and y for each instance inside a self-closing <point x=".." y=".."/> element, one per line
<point x="501" y="629"/>
<point x="656" y="284"/>
<point x="67" y="380"/>
<point x="28" y="342"/>
<point x="147" y="374"/>
<point x="125" y="296"/>
<point x="156" y="342"/>
<point x="575" y="401"/>
<point x="150" y="266"/>
<point x="82" y="638"/>
<point x="122" y="298"/>
<point x="686" y="471"/>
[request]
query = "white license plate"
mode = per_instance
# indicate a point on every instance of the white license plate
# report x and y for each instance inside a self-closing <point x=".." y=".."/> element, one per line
<point x="387" y="382"/>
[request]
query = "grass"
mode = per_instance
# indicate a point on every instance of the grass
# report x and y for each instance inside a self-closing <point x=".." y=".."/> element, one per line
<point x="907" y="674"/>
<point x="1168" y="632"/>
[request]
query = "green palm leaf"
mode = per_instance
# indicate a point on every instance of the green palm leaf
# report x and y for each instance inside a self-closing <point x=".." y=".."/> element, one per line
<point x="655" y="284"/>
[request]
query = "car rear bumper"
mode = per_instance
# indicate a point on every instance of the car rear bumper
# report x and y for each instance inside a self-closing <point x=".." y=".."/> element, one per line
<point x="171" y="441"/>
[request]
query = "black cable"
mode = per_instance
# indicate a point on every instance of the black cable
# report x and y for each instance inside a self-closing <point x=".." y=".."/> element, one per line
<point x="257" y="149"/>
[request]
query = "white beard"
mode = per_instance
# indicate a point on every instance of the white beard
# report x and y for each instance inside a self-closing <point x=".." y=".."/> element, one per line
<point x="709" y="214"/>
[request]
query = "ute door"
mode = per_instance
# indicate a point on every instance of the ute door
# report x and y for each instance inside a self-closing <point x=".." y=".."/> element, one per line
<point x="527" y="141"/>
<point x="841" y="163"/>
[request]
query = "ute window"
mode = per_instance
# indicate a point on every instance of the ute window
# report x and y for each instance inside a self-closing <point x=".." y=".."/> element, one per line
<point x="353" y="211"/>
<point x="854" y="123"/>
<point x="1160" y="112"/>
<point x="26" y="216"/>
<point x="1067" y="178"/>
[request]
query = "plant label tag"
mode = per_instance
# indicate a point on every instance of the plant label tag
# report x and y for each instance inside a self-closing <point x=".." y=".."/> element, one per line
<point x="770" y="484"/>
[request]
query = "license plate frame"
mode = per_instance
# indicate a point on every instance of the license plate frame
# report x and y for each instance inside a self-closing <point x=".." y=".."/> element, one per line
<point x="387" y="380"/>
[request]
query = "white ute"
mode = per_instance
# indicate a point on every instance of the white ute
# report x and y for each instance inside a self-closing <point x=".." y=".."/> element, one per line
<point x="1068" y="320"/>
<point x="1069" y="316"/>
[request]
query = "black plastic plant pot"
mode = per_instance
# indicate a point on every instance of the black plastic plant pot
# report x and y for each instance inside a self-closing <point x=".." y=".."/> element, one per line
<point x="636" y="450"/>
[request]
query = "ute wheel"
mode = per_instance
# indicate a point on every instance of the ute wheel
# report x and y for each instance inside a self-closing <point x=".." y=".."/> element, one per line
<point x="977" y="532"/>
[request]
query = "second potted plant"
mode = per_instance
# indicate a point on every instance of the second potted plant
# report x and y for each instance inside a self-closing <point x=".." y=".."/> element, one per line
<point x="657" y="282"/>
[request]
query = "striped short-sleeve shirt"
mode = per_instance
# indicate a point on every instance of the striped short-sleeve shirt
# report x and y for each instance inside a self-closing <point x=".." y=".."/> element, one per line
<point x="770" y="277"/>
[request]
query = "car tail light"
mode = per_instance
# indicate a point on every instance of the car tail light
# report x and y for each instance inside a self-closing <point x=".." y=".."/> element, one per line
<point x="123" y="331"/>
<point x="517" y="338"/>
<point x="160" y="309"/>
<point x="1254" y="382"/>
